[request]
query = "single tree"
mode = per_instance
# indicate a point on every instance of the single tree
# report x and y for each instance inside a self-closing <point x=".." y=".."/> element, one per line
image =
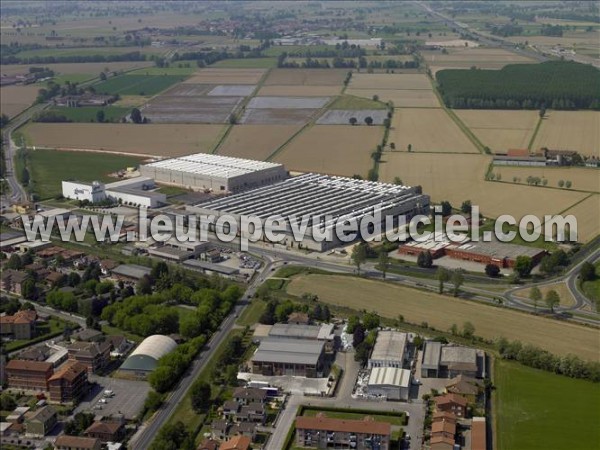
<point x="587" y="271"/>
<point x="392" y="146"/>
<point x="561" y="183"/>
<point x="409" y="147"/>
<point x="369" y="120"/>
<point x="200" y="396"/>
<point x="136" y="115"/>
<point x="376" y="98"/>
<point x="353" y="120"/>
<point x="466" y="207"/>
<point x="358" y="336"/>
<point x="398" y="181"/>
<point x="468" y="330"/>
<point x="535" y="295"/>
<point x="100" y="116"/>
<point x="568" y="184"/>
<point x="552" y="299"/>
<point x="14" y="262"/>
<point x="542" y="112"/>
<point x="102" y="76"/>
<point x="384" y="261"/>
<point x="457" y="280"/>
<point x="492" y="270"/>
<point x="425" y="260"/>
<point x="442" y="275"/>
<point x="359" y="255"/>
<point x="523" y="265"/>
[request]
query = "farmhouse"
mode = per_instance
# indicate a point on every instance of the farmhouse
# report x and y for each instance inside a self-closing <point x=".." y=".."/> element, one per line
<point x="312" y="198"/>
<point x="214" y="173"/>
<point x="323" y="432"/>
<point x="389" y="350"/>
<point x="299" y="357"/>
<point x="390" y="382"/>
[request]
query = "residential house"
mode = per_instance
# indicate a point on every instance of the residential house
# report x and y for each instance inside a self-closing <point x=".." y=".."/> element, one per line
<point x="106" y="431"/>
<point x="28" y="375"/>
<point x="219" y="428"/>
<point x="453" y="403"/>
<point x="41" y="422"/>
<point x="253" y="412"/>
<point x="245" y="396"/>
<point x="444" y="428"/>
<point x="39" y="353"/>
<point x="323" y="432"/>
<point x="236" y="443"/>
<point x="208" y="444"/>
<point x="69" y="383"/>
<point x="94" y="355"/>
<point x="87" y="335"/>
<point x="119" y="346"/>
<point x="66" y="442"/>
<point x="12" y="281"/>
<point x="230" y="409"/>
<point x="107" y="265"/>
<point x="53" y="278"/>
<point x="441" y="443"/>
<point x="20" y="325"/>
<point x="465" y="386"/>
<point x="244" y="429"/>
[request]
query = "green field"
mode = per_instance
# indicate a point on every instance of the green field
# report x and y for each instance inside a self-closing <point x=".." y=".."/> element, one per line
<point x="358" y="415"/>
<point x="88" y="113"/>
<point x="540" y="410"/>
<point x="49" y="168"/>
<point x="73" y="78"/>
<point x="138" y="84"/>
<point x="591" y="289"/>
<point x="83" y="51"/>
<point x="352" y="102"/>
<point x="277" y="50"/>
<point x="174" y="69"/>
<point x="247" y="63"/>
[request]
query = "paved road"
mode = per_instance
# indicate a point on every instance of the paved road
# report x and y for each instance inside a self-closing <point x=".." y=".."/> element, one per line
<point x="145" y="435"/>
<point x="18" y="193"/>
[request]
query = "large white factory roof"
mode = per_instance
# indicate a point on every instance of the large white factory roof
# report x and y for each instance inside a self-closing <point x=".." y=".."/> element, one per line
<point x="390" y="346"/>
<point x="313" y="194"/>
<point x="389" y="376"/>
<point x="213" y="165"/>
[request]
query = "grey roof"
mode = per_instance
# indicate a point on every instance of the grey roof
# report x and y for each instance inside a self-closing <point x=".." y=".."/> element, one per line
<point x="203" y="265"/>
<point x="500" y="249"/>
<point x="291" y="351"/>
<point x="291" y="330"/>
<point x="169" y="252"/>
<point x="139" y="363"/>
<point x="42" y="414"/>
<point x="131" y="271"/>
<point x="431" y="355"/>
<point x="390" y="346"/>
<point x="452" y="354"/>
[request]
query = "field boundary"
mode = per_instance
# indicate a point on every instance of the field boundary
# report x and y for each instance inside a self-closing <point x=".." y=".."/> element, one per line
<point x="463" y="127"/>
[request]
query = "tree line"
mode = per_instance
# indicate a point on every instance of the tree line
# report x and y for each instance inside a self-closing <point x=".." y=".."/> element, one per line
<point x="554" y="84"/>
<point x="16" y="59"/>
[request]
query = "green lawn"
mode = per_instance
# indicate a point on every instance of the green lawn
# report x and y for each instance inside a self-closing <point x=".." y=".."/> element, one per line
<point x="252" y="313"/>
<point x="540" y="410"/>
<point x="88" y="113"/>
<point x="591" y="289"/>
<point x="352" y="102"/>
<point x="171" y="191"/>
<point x="247" y="63"/>
<point x="137" y="84"/>
<point x="113" y="331"/>
<point x="48" y="168"/>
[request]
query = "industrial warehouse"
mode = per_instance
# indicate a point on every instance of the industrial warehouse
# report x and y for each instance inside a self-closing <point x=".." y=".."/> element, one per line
<point x="133" y="191"/>
<point x="335" y="199"/>
<point x="219" y="174"/>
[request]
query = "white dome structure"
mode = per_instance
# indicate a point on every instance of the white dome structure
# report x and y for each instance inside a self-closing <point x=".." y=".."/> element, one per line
<point x="145" y="357"/>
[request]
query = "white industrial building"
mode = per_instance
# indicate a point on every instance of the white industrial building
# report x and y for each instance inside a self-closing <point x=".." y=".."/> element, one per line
<point x="325" y="201"/>
<point x="390" y="382"/>
<point x="219" y="174"/>
<point x="389" y="350"/>
<point x="133" y="191"/>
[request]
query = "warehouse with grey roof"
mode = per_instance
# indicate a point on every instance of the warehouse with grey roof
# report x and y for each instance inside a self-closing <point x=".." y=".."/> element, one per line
<point x="298" y="357"/>
<point x="215" y="173"/>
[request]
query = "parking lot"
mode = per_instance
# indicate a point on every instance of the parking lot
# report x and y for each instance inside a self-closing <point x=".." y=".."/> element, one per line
<point x="288" y="383"/>
<point x="128" y="398"/>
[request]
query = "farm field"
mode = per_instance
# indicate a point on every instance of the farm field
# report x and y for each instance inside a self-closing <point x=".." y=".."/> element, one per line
<point x="190" y="109"/>
<point x="529" y="418"/>
<point x="172" y="70"/>
<point x="16" y="99"/>
<point x="389" y="81"/>
<point x="278" y="116"/>
<point x="583" y="178"/>
<point x="255" y="141"/>
<point x="226" y="76"/>
<point x="428" y="130"/>
<point x="49" y="167"/>
<point x="343" y="116"/>
<point x="441" y="312"/>
<point x="300" y="91"/>
<point x="287" y="102"/>
<point x="84" y="51"/>
<point x="500" y="130"/>
<point x="310" y="77"/>
<point x="332" y="149"/>
<point x="88" y="113"/>
<point x="566" y="298"/>
<point x="587" y="213"/>
<point x="137" y="84"/>
<point x="352" y="102"/>
<point x="457" y="178"/>
<point x="154" y="140"/>
<point x="402" y="98"/>
<point x="79" y="68"/>
<point x="246" y="63"/>
<point x="570" y="130"/>
<point x="480" y="57"/>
